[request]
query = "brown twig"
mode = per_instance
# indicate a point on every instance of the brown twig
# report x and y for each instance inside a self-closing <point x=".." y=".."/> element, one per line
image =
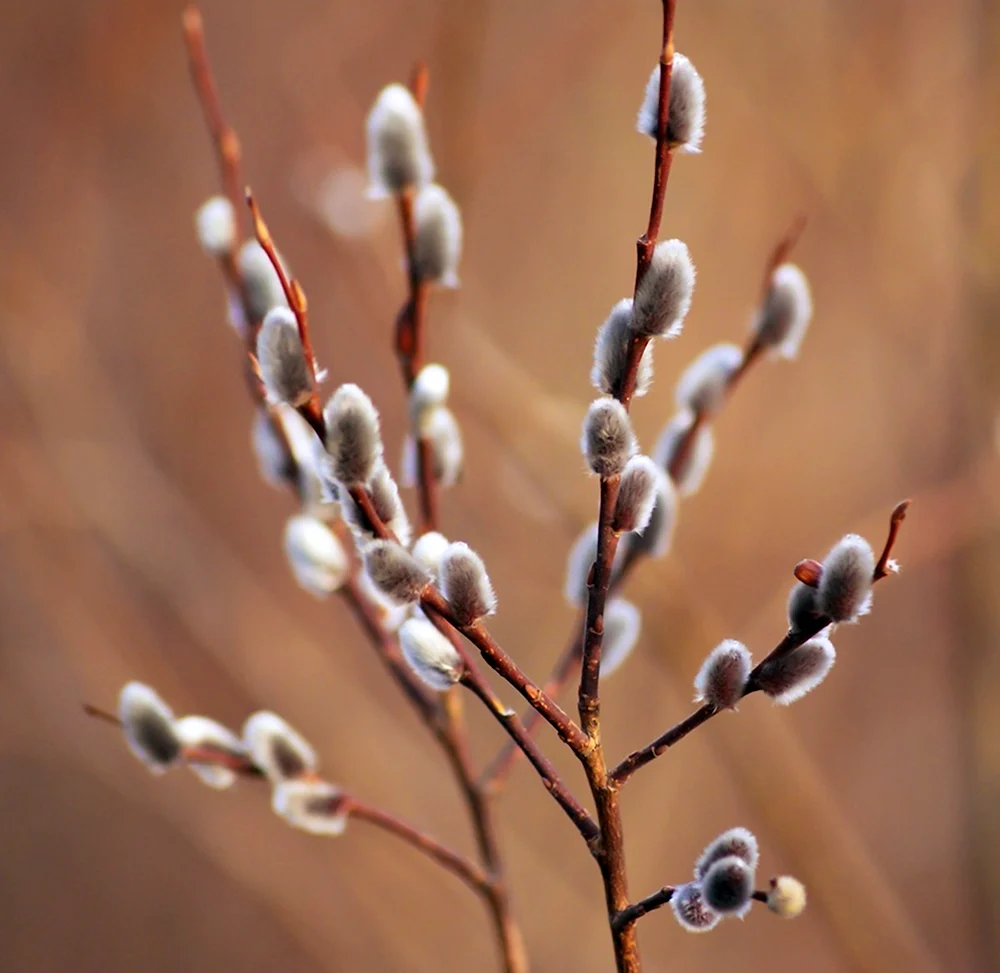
<point x="791" y="641"/>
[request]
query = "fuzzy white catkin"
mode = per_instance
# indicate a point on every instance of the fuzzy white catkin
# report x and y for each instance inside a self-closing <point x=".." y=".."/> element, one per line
<point x="261" y="286"/>
<point x="353" y="437"/>
<point x="437" y="245"/>
<point x="149" y="727"/>
<point x="803" y="610"/>
<point x="316" y="556"/>
<point x="686" y="110"/>
<point x="430" y="654"/>
<point x="845" y="587"/>
<point x="658" y="535"/>
<point x="723" y="675"/>
<point x="607" y="442"/>
<point x="687" y="473"/>
<point x="310" y="805"/>
<point x="429" y="548"/>
<point x="781" y="324"/>
<point x="703" y="383"/>
<point x="430" y="389"/>
<point x="789" y="677"/>
<point x="663" y="297"/>
<point x="388" y="507"/>
<point x="279" y="751"/>
<point x="282" y="361"/>
<point x="465" y="584"/>
<point x="728" y="887"/>
<point x="398" y="153"/>
<point x="274" y="463"/>
<point x="690" y="909"/>
<point x="622" y="625"/>
<point x="439" y="427"/>
<point x="736" y="841"/>
<point x="611" y="353"/>
<point x="638" y="490"/>
<point x="396" y="573"/>
<point x="215" y="225"/>
<point x="787" y="897"/>
<point x="199" y="732"/>
<point x="391" y="615"/>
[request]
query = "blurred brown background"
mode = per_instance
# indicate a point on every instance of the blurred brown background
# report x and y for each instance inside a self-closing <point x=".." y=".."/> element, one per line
<point x="137" y="542"/>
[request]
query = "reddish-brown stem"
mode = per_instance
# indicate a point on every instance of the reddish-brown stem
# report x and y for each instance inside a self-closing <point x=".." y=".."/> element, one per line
<point x="227" y="145"/>
<point x="450" y="860"/>
<point x="96" y="713"/>
<point x="791" y="641"/>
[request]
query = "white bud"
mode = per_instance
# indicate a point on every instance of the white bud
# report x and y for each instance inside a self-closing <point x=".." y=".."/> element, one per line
<point x="781" y="323"/>
<point x="723" y="675"/>
<point x="311" y="805"/>
<point x="261" y="287"/>
<point x="388" y="506"/>
<point x="845" y="587"/>
<point x="277" y="750"/>
<point x="430" y="654"/>
<point x="428" y="549"/>
<point x="687" y="469"/>
<point x="283" y="365"/>
<point x="691" y="911"/>
<point x="465" y="584"/>
<point x="622" y="624"/>
<point x="703" y="383"/>
<point x="787" y="678"/>
<point x="208" y="736"/>
<point x="215" y="224"/>
<point x="396" y="573"/>
<point x="437" y="245"/>
<point x="658" y="535"/>
<point x="803" y="610"/>
<point x="637" y="492"/>
<point x="391" y="615"/>
<point x="398" y="155"/>
<point x="149" y="727"/>
<point x="663" y="297"/>
<point x="274" y="462"/>
<point x="686" y="110"/>
<point x="740" y="842"/>
<point x="317" y="558"/>
<point x="353" y="438"/>
<point x="728" y="887"/>
<point x="429" y="389"/>
<point x="608" y="442"/>
<point x="611" y="354"/>
<point x="787" y="897"/>
<point x="439" y="427"/>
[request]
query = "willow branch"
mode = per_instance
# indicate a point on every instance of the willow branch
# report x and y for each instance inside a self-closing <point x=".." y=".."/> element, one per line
<point x="634" y="912"/>
<point x="791" y="641"/>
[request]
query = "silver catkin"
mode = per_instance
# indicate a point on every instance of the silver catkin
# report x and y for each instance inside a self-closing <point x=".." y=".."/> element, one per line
<point x="663" y="297"/>
<point x="283" y="366"/>
<point x="149" y="727"/>
<point x="728" y="887"/>
<point x="723" y="675"/>
<point x="398" y="153"/>
<point x="611" y="354"/>
<point x="687" y="470"/>
<point x="845" y="588"/>
<point x="781" y="324"/>
<point x="279" y="751"/>
<point x="437" y="245"/>
<point x="736" y="841"/>
<point x="396" y="573"/>
<point x="430" y="654"/>
<point x="686" y="109"/>
<point x="262" y="289"/>
<point x="353" y="438"/>
<point x="637" y="492"/>
<point x="690" y="909"/>
<point x="789" y="677"/>
<point x="466" y="585"/>
<point x="703" y="383"/>
<point x="608" y="442"/>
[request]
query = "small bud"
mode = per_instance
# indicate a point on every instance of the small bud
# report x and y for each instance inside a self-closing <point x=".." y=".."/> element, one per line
<point x="656" y="539"/>
<point x="396" y="573"/>
<point x="430" y="388"/>
<point x="439" y="427"/>
<point x="283" y="365"/>
<point x="845" y="589"/>
<point x="608" y="442"/>
<point x="736" y="841"/>
<point x="466" y="585"/>
<point x="215" y="224"/>
<point x="388" y="506"/>
<point x="637" y="493"/>
<point x="688" y="470"/>
<point x="428" y="549"/>
<point x="787" y="897"/>
<point x="686" y="110"/>
<point x="391" y="615"/>
<point x="789" y="677"/>
<point x="611" y="353"/>
<point x="277" y="750"/>
<point x="782" y="322"/>
<point x="437" y="245"/>
<point x="261" y="287"/>
<point x="353" y="439"/>
<point x="310" y="805"/>
<point x="274" y="461"/>
<point x="622" y="624"/>
<point x="690" y="909"/>
<point x="703" y="383"/>
<point x="803" y="612"/>
<point x="723" y="675"/>
<point x="728" y="886"/>
<point x="317" y="558"/>
<point x="208" y="736"/>
<point x="664" y="294"/>
<point x="398" y="156"/>
<point x="149" y="727"/>
<point x="430" y="654"/>
<point x="809" y="572"/>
